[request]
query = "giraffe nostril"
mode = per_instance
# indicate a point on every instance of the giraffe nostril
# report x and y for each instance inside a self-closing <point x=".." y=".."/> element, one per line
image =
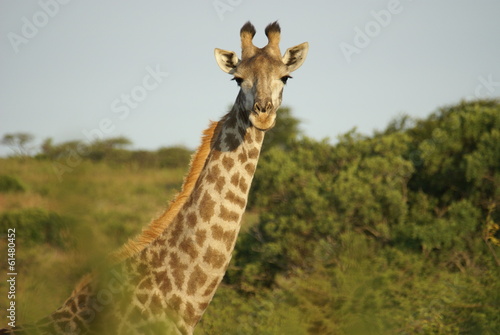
<point x="257" y="107"/>
<point x="269" y="106"/>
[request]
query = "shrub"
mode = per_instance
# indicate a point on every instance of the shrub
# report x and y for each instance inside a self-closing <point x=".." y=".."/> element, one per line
<point x="174" y="157"/>
<point x="11" y="184"/>
<point x="35" y="225"/>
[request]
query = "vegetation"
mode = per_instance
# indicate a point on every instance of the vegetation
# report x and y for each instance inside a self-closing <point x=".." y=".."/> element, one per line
<point x="112" y="151"/>
<point x="10" y="184"/>
<point x="394" y="233"/>
<point x="19" y="143"/>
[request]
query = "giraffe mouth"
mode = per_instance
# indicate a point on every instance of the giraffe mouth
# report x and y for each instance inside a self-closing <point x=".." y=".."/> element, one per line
<point x="263" y="121"/>
<point x="266" y="129"/>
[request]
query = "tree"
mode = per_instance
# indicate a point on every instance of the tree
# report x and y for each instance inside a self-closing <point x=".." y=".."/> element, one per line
<point x="456" y="186"/>
<point x="111" y="148"/>
<point x="19" y="143"/>
<point x="429" y="186"/>
<point x="313" y="191"/>
<point x="174" y="157"/>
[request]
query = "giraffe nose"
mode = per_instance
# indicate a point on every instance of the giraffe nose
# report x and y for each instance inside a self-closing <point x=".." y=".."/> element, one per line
<point x="263" y="106"/>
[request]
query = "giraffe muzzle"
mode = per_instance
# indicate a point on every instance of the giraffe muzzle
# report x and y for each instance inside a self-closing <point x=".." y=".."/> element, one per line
<point x="263" y="107"/>
<point x="263" y="115"/>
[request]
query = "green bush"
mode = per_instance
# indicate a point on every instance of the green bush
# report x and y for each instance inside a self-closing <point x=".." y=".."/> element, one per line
<point x="38" y="226"/>
<point x="11" y="184"/>
<point x="388" y="234"/>
<point x="173" y="157"/>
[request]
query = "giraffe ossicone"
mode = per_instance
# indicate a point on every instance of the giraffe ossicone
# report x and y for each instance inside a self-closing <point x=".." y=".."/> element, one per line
<point x="163" y="280"/>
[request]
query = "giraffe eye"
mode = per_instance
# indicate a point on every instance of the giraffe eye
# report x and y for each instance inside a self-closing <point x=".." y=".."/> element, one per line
<point x="285" y="78"/>
<point x="238" y="80"/>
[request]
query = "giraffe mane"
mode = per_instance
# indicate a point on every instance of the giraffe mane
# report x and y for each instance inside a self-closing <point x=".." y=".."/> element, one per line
<point x="158" y="225"/>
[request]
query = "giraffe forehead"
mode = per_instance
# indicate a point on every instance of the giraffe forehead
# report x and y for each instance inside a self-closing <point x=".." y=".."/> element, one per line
<point x="261" y="66"/>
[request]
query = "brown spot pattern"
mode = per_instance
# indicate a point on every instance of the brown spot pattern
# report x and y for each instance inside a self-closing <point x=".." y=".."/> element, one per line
<point x="155" y="304"/>
<point x="207" y="206"/>
<point x="238" y="181"/>
<point x="201" y="236"/>
<point x="228" y="163"/>
<point x="191" y="219"/>
<point x="248" y="137"/>
<point x="217" y="232"/>
<point x="143" y="255"/>
<point x="158" y="257"/>
<point x="159" y="242"/>
<point x="211" y="287"/>
<point x="242" y="157"/>
<point x="178" y="269"/>
<point x="235" y="179"/>
<point x="219" y="185"/>
<point x="187" y="245"/>
<point x="175" y="302"/>
<point x="190" y="313"/>
<point x="227" y="215"/>
<point x="196" y="280"/>
<point x="250" y="168"/>
<point x="163" y="281"/>
<point x="259" y="136"/>
<point x="236" y="199"/>
<point x="214" y="174"/>
<point x="195" y="197"/>
<point x="254" y="153"/>
<point x="73" y="306"/>
<point x="175" y="234"/>
<point x="142" y="297"/>
<point x="243" y="185"/>
<point x="216" y="154"/>
<point x="226" y="236"/>
<point x="142" y="269"/>
<point x="64" y="324"/>
<point x="229" y="239"/>
<point x="214" y="258"/>
<point x="180" y="217"/>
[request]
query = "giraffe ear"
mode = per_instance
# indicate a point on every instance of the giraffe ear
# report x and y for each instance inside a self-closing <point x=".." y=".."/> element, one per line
<point x="227" y="60"/>
<point x="295" y="56"/>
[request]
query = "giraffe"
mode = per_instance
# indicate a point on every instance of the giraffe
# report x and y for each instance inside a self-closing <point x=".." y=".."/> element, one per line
<point x="163" y="280"/>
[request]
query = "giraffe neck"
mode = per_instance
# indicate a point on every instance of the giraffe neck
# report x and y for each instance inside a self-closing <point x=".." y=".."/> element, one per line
<point x="180" y="271"/>
<point x="166" y="285"/>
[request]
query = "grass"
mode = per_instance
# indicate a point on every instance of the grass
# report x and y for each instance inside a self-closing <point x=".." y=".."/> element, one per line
<point x="103" y="205"/>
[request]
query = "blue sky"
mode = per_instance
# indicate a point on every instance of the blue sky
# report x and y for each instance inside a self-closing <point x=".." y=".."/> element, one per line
<point x="67" y="67"/>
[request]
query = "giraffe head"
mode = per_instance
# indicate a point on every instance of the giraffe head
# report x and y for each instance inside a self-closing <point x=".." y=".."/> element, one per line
<point x="261" y="73"/>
